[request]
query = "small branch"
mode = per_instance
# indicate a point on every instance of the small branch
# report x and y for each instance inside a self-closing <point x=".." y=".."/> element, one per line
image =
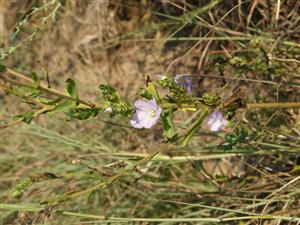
<point x="10" y="124"/>
<point x="44" y="88"/>
<point x="36" y="114"/>
<point x="190" y="106"/>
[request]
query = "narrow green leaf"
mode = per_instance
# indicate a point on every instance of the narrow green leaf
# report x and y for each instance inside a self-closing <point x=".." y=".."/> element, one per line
<point x="27" y="91"/>
<point x="71" y="88"/>
<point x="47" y="101"/>
<point x="143" y="92"/>
<point x="64" y="106"/>
<point x="152" y="89"/>
<point x="25" y="117"/>
<point x="82" y="114"/>
<point x="167" y="119"/>
<point x="174" y="88"/>
<point x="109" y="93"/>
<point x="21" y="185"/>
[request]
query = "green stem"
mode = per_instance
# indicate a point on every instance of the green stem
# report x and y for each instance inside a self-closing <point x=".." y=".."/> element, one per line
<point x="191" y="106"/>
<point x="44" y="88"/>
<point x="195" y="127"/>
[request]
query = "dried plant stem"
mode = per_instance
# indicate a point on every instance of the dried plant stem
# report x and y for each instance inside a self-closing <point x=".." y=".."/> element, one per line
<point x="273" y="105"/>
<point x="44" y="88"/>
<point x="36" y="114"/>
<point x="190" y="106"/>
<point x="105" y="219"/>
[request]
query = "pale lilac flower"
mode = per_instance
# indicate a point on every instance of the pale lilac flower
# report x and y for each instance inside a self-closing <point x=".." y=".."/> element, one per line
<point x="147" y="112"/>
<point x="185" y="81"/>
<point x="216" y="121"/>
<point x="108" y="110"/>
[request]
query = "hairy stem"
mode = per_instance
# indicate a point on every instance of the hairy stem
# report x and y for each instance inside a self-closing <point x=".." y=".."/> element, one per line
<point x="194" y="106"/>
<point x="44" y="88"/>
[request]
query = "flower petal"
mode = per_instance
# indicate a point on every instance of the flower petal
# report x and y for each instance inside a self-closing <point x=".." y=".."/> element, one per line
<point x="185" y="81"/>
<point x="108" y="110"/>
<point x="149" y="123"/>
<point x="158" y="112"/>
<point x="153" y="104"/>
<point x="216" y="121"/>
<point x="142" y="105"/>
<point x="135" y="122"/>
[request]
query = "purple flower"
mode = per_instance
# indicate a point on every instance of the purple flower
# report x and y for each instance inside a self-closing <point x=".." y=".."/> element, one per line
<point x="146" y="114"/>
<point x="216" y="121"/>
<point x="108" y="110"/>
<point x="185" y="81"/>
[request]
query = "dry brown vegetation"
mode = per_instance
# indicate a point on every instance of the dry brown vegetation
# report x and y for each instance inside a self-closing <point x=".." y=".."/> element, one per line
<point x="119" y="43"/>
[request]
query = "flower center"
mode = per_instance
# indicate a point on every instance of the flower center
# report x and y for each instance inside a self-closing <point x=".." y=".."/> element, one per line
<point x="152" y="113"/>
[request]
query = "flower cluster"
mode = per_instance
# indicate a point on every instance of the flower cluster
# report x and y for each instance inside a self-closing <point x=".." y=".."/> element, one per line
<point x="147" y="112"/>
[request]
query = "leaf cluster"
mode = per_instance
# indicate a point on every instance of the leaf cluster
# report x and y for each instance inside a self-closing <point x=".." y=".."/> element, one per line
<point x="114" y="102"/>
